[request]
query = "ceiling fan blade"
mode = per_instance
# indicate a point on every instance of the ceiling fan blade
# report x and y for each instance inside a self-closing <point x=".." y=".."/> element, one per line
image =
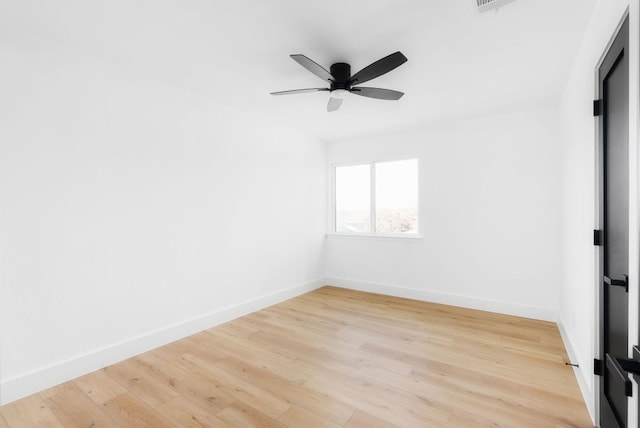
<point x="381" y="94"/>
<point x="334" y="104"/>
<point x="378" y="68"/>
<point x="299" y="91"/>
<point x="313" y="67"/>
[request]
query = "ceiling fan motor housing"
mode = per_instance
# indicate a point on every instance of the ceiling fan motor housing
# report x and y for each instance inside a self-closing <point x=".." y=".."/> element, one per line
<point x="341" y="73"/>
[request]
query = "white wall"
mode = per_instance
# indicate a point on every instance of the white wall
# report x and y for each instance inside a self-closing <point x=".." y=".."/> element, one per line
<point x="490" y="216"/>
<point x="578" y="304"/>
<point x="133" y="213"/>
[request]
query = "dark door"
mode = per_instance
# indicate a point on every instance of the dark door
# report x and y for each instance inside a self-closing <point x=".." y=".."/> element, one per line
<point x="613" y="78"/>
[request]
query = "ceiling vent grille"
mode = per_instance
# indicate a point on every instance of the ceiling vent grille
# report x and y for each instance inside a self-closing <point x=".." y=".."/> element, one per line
<point x="487" y="5"/>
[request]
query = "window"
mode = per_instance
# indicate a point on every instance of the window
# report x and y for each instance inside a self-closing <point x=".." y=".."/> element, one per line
<point x="376" y="198"/>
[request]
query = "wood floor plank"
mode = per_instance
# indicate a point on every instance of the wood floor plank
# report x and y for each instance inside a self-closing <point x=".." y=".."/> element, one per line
<point x="327" y="406"/>
<point x="56" y="390"/>
<point x="74" y="409"/>
<point x="181" y="412"/>
<point x="297" y="416"/>
<point x="198" y="344"/>
<point x="29" y="412"/>
<point x="332" y="358"/>
<point x="246" y="392"/>
<point x="240" y="415"/>
<point x="184" y="382"/>
<point x="128" y="411"/>
<point x="321" y="355"/>
<point x="463" y="419"/>
<point x="363" y="420"/>
<point x="386" y="407"/>
<point x="269" y="358"/>
<point x="99" y="387"/>
<point x="140" y="384"/>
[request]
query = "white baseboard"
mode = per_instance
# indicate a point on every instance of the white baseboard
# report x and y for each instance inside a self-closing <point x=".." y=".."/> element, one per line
<point x="588" y="393"/>
<point x="489" y="305"/>
<point x="17" y="387"/>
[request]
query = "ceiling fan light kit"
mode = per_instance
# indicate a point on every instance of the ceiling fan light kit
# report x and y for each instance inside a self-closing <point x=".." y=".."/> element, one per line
<point x="340" y="93"/>
<point x="342" y="84"/>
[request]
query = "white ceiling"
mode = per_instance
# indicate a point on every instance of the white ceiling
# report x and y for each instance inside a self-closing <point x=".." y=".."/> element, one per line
<point x="237" y="51"/>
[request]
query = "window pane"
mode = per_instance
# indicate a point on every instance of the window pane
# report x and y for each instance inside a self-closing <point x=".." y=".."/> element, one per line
<point x="353" y="198"/>
<point x="397" y="196"/>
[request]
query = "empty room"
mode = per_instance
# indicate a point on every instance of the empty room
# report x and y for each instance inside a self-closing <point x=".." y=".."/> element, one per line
<point x="413" y="213"/>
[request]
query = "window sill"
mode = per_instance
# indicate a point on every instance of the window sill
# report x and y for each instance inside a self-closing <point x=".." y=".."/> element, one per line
<point x="380" y="236"/>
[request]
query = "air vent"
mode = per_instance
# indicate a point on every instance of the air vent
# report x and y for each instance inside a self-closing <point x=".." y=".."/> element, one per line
<point x="487" y="5"/>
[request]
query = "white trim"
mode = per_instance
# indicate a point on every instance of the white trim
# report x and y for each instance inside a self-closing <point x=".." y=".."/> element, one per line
<point x="587" y="394"/>
<point x="489" y="305"/>
<point x="30" y="383"/>
<point x="372" y="200"/>
<point x="374" y="160"/>
<point x="332" y="199"/>
<point x="382" y="236"/>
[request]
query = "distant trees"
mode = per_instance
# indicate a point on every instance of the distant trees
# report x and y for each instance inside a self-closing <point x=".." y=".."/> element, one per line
<point x="387" y="221"/>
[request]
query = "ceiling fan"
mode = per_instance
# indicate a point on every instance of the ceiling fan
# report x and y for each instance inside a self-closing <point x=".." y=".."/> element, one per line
<point x="342" y="83"/>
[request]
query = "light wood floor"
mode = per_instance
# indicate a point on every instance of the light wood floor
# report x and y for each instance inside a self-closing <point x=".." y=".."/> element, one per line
<point x="331" y="358"/>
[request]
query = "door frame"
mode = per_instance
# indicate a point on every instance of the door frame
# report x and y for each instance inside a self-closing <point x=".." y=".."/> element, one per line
<point x="634" y="198"/>
<point x="633" y="13"/>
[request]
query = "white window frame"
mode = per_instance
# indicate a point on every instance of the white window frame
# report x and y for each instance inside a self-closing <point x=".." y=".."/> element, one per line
<point x="372" y="209"/>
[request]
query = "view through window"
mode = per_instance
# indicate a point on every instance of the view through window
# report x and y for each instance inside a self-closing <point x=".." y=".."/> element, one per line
<point x="377" y="197"/>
